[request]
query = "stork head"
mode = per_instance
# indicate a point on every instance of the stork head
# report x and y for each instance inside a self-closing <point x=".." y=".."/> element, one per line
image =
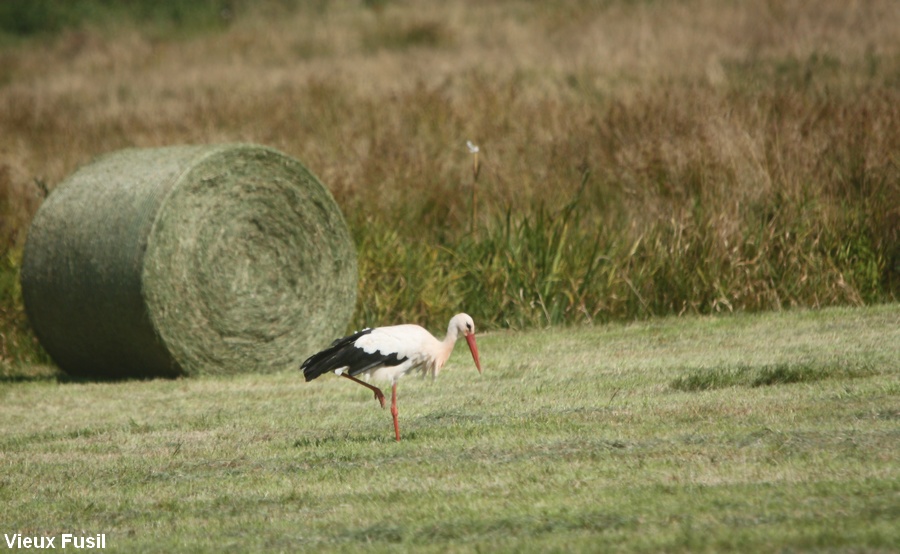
<point x="463" y="325"/>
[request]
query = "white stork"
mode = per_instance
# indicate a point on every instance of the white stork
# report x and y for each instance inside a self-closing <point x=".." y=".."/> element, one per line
<point x="389" y="353"/>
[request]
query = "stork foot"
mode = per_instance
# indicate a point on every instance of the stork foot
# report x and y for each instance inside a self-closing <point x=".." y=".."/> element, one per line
<point x="379" y="396"/>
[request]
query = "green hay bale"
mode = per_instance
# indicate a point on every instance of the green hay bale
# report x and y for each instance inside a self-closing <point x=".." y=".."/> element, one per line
<point x="188" y="260"/>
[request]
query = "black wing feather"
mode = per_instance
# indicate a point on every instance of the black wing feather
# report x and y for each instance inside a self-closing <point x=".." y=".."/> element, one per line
<point x="344" y="353"/>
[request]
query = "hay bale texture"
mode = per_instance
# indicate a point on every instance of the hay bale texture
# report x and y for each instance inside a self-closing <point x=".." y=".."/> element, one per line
<point x="188" y="260"/>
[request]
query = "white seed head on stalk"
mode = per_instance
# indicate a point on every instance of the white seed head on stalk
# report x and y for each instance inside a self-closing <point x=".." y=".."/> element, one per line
<point x="476" y="167"/>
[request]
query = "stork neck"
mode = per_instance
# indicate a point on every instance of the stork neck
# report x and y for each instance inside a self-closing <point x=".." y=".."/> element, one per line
<point x="448" y="343"/>
<point x="452" y="335"/>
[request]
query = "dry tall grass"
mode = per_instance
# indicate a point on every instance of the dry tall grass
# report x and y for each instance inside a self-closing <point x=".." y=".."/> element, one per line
<point x="740" y="155"/>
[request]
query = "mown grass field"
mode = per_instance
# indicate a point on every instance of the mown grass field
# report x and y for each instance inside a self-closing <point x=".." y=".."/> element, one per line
<point x="764" y="433"/>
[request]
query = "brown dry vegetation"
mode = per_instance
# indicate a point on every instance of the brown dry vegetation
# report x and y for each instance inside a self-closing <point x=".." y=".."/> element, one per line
<point x="733" y="155"/>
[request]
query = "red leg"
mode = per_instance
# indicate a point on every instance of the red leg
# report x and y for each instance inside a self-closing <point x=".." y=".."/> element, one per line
<point x="394" y="411"/>
<point x="378" y="394"/>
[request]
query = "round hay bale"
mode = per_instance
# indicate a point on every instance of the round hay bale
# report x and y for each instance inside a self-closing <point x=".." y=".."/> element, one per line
<point x="188" y="260"/>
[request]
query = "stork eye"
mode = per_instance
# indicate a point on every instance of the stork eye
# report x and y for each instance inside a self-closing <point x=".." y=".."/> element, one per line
<point x="469" y="326"/>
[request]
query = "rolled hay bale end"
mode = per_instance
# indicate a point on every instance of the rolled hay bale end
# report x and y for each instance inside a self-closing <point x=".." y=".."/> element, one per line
<point x="188" y="260"/>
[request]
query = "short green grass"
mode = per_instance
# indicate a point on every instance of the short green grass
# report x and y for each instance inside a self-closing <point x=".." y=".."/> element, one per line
<point x="637" y="159"/>
<point x="760" y="433"/>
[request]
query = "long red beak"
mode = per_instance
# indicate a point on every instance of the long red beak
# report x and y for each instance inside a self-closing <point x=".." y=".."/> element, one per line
<point x="470" y="338"/>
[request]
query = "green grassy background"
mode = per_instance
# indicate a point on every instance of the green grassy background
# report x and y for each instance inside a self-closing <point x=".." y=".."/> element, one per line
<point x="579" y="439"/>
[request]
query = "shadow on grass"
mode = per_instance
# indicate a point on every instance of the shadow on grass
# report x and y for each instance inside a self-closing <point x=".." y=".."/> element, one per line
<point x="782" y="373"/>
<point x="52" y="374"/>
